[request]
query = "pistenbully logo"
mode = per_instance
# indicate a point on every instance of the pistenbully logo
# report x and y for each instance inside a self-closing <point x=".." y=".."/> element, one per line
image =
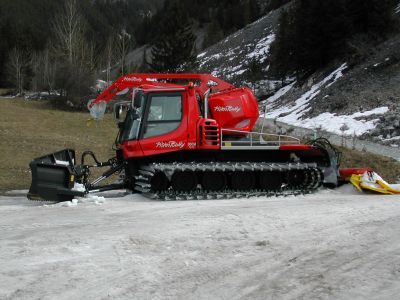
<point x="134" y="79"/>
<point x="170" y="144"/>
<point x="228" y="108"/>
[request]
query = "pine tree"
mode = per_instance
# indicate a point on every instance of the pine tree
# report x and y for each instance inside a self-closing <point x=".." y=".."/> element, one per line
<point x="213" y="35"/>
<point x="315" y="32"/>
<point x="175" y="43"/>
<point x="281" y="54"/>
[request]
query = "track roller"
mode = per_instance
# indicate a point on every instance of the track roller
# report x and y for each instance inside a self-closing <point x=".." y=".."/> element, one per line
<point x="296" y="178"/>
<point x="270" y="180"/>
<point x="184" y="181"/>
<point x="213" y="181"/>
<point x="243" y="180"/>
<point x="159" y="182"/>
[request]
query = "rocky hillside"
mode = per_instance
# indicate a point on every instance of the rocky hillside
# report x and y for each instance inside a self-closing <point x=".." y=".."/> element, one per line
<point x="355" y="97"/>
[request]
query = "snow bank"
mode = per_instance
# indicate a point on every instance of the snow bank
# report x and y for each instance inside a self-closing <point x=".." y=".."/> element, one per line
<point x="336" y="123"/>
<point x="93" y="199"/>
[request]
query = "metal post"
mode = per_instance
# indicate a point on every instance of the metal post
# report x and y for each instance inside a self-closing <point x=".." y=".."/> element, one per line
<point x="206" y="103"/>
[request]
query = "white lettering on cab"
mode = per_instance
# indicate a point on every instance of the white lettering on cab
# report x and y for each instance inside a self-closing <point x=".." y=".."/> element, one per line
<point x="228" y="108"/>
<point x="170" y="144"/>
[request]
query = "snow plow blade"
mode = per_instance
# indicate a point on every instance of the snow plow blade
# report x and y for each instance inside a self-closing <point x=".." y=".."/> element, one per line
<point x="53" y="177"/>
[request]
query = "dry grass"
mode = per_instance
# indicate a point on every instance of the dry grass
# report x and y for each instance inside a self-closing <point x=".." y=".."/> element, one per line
<point x="388" y="168"/>
<point x="4" y="91"/>
<point x="30" y="129"/>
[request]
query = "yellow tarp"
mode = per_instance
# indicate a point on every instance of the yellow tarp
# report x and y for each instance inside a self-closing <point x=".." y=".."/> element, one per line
<point x="372" y="182"/>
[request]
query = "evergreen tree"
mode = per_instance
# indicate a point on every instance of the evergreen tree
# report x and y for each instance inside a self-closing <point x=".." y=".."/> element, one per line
<point x="213" y="35"/>
<point x="175" y="42"/>
<point x="281" y="53"/>
<point x="371" y="16"/>
<point x="314" y="32"/>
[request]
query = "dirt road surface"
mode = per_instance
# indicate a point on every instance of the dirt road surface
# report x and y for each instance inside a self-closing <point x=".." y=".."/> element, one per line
<point x="329" y="245"/>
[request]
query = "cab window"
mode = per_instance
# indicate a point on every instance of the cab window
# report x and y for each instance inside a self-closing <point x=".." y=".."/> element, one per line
<point x="164" y="114"/>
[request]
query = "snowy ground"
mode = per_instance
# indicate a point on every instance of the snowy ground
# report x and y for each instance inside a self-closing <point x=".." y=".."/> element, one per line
<point x="333" y="244"/>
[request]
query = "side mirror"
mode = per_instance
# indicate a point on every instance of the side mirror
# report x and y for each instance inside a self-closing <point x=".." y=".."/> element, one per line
<point x="118" y="112"/>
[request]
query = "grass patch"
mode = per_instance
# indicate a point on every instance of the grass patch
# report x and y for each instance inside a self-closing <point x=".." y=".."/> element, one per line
<point x="386" y="167"/>
<point x="29" y="129"/>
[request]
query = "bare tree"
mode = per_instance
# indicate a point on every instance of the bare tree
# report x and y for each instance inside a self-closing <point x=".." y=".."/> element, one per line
<point x="36" y="64"/>
<point x="343" y="129"/>
<point x="49" y="70"/>
<point x="109" y="56"/>
<point x="354" y="141"/>
<point x="75" y="55"/>
<point x="18" y="60"/>
<point x="68" y="30"/>
<point x="44" y="71"/>
<point x="124" y="45"/>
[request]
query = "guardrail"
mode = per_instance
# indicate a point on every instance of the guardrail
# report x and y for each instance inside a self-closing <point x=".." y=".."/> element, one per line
<point x="254" y="140"/>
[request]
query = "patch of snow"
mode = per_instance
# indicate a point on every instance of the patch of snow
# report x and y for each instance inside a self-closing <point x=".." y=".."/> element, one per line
<point x="262" y="48"/>
<point x="78" y="187"/>
<point x="338" y="74"/>
<point x="72" y="203"/>
<point x="393" y="139"/>
<point x="333" y="123"/>
<point x="237" y="73"/>
<point x="283" y="91"/>
<point x="98" y="200"/>
<point x="301" y="106"/>
<point x="397" y="9"/>
<point x="201" y="55"/>
<point x="327" y="121"/>
<point x="377" y="111"/>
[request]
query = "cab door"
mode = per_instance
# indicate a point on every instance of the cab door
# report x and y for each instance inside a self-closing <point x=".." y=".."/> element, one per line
<point x="164" y="128"/>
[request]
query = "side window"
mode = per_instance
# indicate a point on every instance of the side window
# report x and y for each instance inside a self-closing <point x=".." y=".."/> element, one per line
<point x="165" y="115"/>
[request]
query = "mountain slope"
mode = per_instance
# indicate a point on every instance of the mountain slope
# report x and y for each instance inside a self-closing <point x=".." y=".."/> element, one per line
<point x="230" y="57"/>
<point x="357" y="96"/>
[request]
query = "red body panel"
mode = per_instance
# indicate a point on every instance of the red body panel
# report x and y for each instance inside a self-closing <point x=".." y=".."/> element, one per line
<point x="299" y="147"/>
<point x="235" y="109"/>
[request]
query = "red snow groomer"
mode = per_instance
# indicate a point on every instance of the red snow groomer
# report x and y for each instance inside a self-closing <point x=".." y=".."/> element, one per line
<point x="188" y="136"/>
